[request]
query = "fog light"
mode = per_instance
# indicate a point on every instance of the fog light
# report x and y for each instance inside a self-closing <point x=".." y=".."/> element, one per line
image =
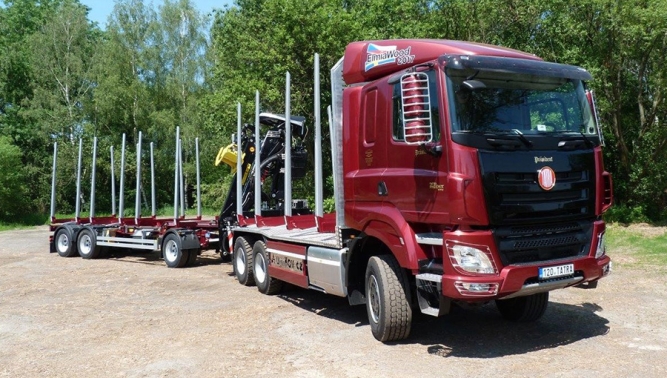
<point x="476" y="289"/>
<point x="602" y="246"/>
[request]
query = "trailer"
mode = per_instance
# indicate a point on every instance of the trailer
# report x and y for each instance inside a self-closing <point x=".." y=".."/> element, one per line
<point x="179" y="240"/>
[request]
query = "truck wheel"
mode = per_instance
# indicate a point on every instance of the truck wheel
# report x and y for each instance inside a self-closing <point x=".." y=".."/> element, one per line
<point x="174" y="255"/>
<point x="524" y="309"/>
<point x="64" y="243"/>
<point x="243" y="262"/>
<point x="192" y="257"/>
<point x="265" y="283"/>
<point x="87" y="244"/>
<point x="387" y="299"/>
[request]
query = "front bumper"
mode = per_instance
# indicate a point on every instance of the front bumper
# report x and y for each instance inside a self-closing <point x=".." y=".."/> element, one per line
<point x="514" y="281"/>
<point x="521" y="279"/>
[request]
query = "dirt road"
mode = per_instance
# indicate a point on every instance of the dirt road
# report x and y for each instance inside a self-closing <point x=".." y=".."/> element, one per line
<point x="130" y="316"/>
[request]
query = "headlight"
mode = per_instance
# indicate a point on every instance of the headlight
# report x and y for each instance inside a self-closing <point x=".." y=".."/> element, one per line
<point x="602" y="246"/>
<point x="471" y="259"/>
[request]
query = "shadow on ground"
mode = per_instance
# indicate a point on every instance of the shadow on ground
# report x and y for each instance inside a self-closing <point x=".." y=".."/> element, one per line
<point x="471" y="332"/>
<point x="155" y="258"/>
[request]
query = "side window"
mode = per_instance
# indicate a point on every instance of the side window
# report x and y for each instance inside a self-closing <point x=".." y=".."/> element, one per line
<point x="397" y="114"/>
<point x="370" y="116"/>
<point x="433" y="106"/>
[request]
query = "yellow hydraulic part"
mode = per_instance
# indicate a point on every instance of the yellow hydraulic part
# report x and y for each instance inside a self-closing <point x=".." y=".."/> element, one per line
<point x="228" y="155"/>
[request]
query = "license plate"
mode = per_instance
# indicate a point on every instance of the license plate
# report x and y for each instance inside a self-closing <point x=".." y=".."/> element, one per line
<point x="556" y="271"/>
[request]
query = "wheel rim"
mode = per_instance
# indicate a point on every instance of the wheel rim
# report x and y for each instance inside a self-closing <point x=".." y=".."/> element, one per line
<point x="373" y="298"/>
<point x="85" y="244"/>
<point x="240" y="261"/>
<point x="171" y="251"/>
<point x="63" y="242"/>
<point x="260" y="268"/>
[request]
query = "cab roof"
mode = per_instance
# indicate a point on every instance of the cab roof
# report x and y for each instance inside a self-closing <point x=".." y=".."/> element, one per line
<point x="370" y="60"/>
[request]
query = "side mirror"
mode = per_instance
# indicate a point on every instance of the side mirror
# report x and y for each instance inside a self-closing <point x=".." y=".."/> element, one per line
<point x="416" y="104"/>
<point x="591" y="103"/>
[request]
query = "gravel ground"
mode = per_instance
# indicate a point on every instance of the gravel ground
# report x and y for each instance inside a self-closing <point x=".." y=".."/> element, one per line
<point x="130" y="316"/>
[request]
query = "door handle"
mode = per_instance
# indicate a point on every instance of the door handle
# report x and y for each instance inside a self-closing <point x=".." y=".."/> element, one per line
<point x="382" y="189"/>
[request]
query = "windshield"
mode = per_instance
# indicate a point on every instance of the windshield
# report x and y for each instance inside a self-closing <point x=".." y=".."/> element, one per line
<point x="507" y="102"/>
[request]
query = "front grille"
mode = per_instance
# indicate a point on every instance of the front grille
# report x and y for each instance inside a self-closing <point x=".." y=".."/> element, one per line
<point x="533" y="244"/>
<point x="516" y="197"/>
<point x="513" y="195"/>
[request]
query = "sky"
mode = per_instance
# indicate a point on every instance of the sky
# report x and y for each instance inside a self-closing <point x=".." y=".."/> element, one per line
<point x="101" y="9"/>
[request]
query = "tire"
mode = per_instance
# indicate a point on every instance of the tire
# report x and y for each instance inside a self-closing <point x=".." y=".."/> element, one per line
<point x="243" y="262"/>
<point x="387" y="299"/>
<point x="86" y="244"/>
<point x="64" y="244"/>
<point x="192" y="257"/>
<point x="265" y="283"/>
<point x="174" y="255"/>
<point x="523" y="309"/>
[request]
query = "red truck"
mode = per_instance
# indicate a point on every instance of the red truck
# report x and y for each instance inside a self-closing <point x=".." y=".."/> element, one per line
<point x="463" y="173"/>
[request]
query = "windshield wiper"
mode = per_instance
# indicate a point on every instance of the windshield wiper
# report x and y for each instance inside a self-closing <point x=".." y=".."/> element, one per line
<point x="576" y="137"/>
<point x="525" y="140"/>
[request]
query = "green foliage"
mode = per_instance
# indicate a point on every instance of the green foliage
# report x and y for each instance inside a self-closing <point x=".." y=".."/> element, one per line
<point x="624" y="214"/>
<point x="155" y="69"/>
<point x="12" y="181"/>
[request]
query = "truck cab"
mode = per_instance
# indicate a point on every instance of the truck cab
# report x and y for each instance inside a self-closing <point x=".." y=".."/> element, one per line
<point x="478" y="168"/>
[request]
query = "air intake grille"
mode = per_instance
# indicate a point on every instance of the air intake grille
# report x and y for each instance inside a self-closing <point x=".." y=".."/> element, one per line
<point x="533" y="244"/>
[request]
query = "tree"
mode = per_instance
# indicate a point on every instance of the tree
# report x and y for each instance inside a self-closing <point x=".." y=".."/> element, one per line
<point x="12" y="184"/>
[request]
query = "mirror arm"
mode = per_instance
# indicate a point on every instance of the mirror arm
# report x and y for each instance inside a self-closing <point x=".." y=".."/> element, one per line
<point x="431" y="148"/>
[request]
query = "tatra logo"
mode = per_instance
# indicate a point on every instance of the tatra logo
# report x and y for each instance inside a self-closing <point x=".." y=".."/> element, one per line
<point x="543" y="159"/>
<point x="546" y="177"/>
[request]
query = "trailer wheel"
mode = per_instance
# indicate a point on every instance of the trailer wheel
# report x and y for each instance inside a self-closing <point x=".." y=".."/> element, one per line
<point x="265" y="283"/>
<point x="387" y="299"/>
<point x="87" y="244"/>
<point x="174" y="255"/>
<point x="524" y="309"/>
<point x="192" y="257"/>
<point x="243" y="262"/>
<point x="64" y="244"/>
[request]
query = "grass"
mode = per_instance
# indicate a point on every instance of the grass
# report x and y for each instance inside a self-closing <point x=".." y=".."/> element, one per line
<point x="25" y="221"/>
<point x="637" y="244"/>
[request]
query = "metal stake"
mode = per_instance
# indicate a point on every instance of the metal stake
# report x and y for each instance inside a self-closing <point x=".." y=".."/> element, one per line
<point x="319" y="202"/>
<point x="239" y="156"/>
<point x="113" y="185"/>
<point x="137" y="201"/>
<point x="178" y="130"/>
<point x="121" y="194"/>
<point x="258" y="173"/>
<point x="288" y="148"/>
<point x="92" y="181"/>
<point x="153" y="212"/>
<point x="53" y="182"/>
<point x="77" y="210"/>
